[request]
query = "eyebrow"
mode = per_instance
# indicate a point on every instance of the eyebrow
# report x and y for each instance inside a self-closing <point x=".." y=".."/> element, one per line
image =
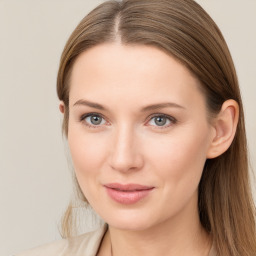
<point x="161" y="105"/>
<point x="90" y="104"/>
<point x="144" y="109"/>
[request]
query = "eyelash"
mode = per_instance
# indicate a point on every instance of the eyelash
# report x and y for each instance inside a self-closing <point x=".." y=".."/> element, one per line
<point x="83" y="117"/>
<point x="170" y="118"/>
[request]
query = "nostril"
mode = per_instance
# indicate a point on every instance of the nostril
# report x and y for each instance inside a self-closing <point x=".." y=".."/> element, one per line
<point x="126" y="162"/>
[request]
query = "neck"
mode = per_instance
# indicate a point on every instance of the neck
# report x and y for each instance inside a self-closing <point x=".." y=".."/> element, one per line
<point x="164" y="239"/>
<point x="180" y="235"/>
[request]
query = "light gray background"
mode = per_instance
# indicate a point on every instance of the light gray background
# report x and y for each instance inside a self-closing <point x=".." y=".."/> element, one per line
<point x="35" y="183"/>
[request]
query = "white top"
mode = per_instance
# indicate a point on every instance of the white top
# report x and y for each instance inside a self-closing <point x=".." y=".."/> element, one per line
<point x="83" y="245"/>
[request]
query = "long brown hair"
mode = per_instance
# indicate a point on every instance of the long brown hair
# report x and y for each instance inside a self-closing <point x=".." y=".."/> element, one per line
<point x="184" y="30"/>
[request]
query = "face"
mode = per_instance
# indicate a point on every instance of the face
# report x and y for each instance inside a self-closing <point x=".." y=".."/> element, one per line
<point x="138" y="134"/>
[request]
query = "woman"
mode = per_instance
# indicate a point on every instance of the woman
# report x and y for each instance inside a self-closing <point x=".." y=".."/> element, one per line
<point x="155" y="126"/>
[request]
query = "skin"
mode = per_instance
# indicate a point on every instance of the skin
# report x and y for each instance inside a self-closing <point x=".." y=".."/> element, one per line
<point x="129" y="146"/>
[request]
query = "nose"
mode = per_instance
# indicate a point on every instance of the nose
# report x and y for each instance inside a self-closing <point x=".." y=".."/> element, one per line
<point x="125" y="154"/>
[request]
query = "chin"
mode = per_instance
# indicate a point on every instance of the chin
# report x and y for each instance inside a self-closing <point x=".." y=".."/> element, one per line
<point x="133" y="220"/>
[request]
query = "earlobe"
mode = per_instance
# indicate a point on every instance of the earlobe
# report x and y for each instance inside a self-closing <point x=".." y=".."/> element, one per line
<point x="62" y="107"/>
<point x="225" y="125"/>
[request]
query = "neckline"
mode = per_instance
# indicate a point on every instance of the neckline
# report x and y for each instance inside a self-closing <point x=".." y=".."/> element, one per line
<point x="103" y="229"/>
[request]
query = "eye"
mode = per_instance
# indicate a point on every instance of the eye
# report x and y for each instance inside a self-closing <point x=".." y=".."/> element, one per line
<point x="162" y="120"/>
<point x="93" y="120"/>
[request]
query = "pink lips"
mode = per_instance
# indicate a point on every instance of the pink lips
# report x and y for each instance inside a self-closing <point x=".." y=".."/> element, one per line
<point x="127" y="194"/>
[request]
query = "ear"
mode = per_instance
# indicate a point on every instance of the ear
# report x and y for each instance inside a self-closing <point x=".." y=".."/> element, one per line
<point x="62" y="107"/>
<point x="225" y="125"/>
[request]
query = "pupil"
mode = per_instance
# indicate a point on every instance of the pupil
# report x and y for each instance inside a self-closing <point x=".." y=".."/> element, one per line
<point x="160" y="121"/>
<point x="96" y="120"/>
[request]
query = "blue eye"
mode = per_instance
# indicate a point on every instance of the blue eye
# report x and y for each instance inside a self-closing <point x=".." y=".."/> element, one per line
<point x="161" y="121"/>
<point x="93" y="120"/>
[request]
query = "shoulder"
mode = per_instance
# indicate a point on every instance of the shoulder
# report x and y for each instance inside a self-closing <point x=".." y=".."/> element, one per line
<point x="86" y="244"/>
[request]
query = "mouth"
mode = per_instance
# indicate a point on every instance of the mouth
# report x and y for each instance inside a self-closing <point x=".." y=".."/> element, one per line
<point x="127" y="193"/>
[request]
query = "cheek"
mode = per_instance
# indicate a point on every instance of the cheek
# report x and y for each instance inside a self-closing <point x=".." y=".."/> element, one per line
<point x="87" y="151"/>
<point x="177" y="163"/>
<point x="180" y="157"/>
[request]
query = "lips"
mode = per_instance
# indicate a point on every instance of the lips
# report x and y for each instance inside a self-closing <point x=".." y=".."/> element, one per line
<point x="127" y="193"/>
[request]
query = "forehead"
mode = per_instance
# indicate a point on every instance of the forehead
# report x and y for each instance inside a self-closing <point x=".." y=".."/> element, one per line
<point x="131" y="73"/>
